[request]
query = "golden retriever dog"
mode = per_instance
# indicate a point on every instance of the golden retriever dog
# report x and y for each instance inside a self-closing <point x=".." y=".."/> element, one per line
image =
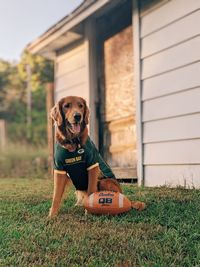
<point x="76" y="158"/>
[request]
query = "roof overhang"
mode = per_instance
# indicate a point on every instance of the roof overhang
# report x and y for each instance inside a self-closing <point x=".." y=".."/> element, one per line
<point x="48" y="46"/>
<point x="63" y="33"/>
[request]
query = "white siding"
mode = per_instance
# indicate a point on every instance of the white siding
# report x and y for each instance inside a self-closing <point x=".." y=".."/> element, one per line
<point x="167" y="14"/>
<point x="71" y="79"/>
<point x="75" y="90"/>
<point x="176" y="128"/>
<point x="173" y="175"/>
<point x="178" y="32"/>
<point x="170" y="58"/>
<point x="176" y="152"/>
<point x="71" y="76"/>
<point x="179" y="80"/>
<point x="178" y="104"/>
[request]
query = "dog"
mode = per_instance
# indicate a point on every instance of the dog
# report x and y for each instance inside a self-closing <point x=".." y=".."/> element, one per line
<point x="76" y="158"/>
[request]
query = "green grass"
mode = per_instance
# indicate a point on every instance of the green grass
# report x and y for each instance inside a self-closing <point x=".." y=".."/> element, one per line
<point x="167" y="233"/>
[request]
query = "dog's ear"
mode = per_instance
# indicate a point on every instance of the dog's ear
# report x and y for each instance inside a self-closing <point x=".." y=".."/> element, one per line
<point x="109" y="184"/>
<point x="86" y="113"/>
<point x="56" y="114"/>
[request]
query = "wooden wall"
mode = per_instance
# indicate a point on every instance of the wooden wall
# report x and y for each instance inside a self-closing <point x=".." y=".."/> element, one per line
<point x="170" y="58"/>
<point x="118" y="58"/>
<point x="120" y="99"/>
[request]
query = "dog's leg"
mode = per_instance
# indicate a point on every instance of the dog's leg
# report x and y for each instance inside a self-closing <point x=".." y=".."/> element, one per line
<point x="109" y="184"/>
<point x="60" y="182"/>
<point x="93" y="175"/>
<point x="80" y="197"/>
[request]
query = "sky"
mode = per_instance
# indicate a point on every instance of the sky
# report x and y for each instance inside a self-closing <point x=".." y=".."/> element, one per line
<point x="22" y="21"/>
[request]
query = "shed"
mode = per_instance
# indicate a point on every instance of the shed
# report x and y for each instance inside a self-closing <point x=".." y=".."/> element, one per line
<point x="137" y="63"/>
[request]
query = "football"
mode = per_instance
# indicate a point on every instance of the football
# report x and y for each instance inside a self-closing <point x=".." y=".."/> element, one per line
<point x="107" y="202"/>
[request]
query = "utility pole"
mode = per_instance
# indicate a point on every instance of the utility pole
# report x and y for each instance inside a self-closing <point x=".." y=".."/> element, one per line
<point x="29" y="102"/>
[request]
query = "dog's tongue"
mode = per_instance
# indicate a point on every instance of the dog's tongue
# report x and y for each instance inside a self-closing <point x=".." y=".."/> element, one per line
<point x="76" y="128"/>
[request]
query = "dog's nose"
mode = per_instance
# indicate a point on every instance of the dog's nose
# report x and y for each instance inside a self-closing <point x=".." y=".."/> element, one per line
<point x="77" y="117"/>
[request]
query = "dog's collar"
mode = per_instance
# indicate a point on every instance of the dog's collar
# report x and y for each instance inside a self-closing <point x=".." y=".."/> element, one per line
<point x="74" y="141"/>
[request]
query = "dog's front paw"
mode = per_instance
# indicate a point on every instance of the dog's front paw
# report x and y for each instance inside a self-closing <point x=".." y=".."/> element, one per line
<point x="52" y="213"/>
<point x="79" y="204"/>
<point x="81" y="197"/>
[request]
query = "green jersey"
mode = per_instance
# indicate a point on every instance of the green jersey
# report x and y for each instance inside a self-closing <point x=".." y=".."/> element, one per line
<point x="77" y="163"/>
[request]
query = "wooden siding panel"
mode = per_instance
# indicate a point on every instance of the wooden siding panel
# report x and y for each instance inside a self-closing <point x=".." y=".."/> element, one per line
<point x="177" y="152"/>
<point x="79" y="90"/>
<point x="172" y="58"/>
<point x="71" y="79"/>
<point x="177" y="175"/>
<point x="179" y="31"/>
<point x="172" y="129"/>
<point x="183" y="103"/>
<point x="177" y="80"/>
<point x="71" y="74"/>
<point x="70" y="53"/>
<point x="166" y="14"/>
<point x="71" y="64"/>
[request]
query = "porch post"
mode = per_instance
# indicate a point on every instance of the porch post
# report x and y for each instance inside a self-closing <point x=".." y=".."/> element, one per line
<point x="90" y="32"/>
<point x="137" y="81"/>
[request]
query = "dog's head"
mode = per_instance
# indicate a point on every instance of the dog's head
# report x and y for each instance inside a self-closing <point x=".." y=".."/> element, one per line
<point x="71" y="116"/>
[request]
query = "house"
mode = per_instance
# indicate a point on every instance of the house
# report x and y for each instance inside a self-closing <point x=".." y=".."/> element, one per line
<point x="137" y="63"/>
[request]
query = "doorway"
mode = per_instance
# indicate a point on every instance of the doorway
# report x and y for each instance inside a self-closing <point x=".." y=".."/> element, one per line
<point x="117" y="133"/>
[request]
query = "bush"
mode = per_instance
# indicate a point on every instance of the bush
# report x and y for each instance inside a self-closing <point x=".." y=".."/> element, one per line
<point x="18" y="131"/>
<point x="20" y="160"/>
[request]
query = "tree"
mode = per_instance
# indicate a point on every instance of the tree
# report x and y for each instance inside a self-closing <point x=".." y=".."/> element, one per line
<point x="13" y="85"/>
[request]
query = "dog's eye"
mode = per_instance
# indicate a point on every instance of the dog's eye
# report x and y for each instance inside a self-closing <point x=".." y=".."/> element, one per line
<point x="68" y="105"/>
<point x="80" y="105"/>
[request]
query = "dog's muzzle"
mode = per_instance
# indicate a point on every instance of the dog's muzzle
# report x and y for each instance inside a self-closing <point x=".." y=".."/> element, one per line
<point x="77" y="117"/>
<point x="75" y="127"/>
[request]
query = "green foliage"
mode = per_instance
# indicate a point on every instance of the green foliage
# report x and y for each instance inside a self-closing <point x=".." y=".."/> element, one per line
<point x="11" y="88"/>
<point x="13" y="97"/>
<point x="42" y="70"/>
<point x="4" y="78"/>
<point x="166" y="234"/>
<point x="22" y="160"/>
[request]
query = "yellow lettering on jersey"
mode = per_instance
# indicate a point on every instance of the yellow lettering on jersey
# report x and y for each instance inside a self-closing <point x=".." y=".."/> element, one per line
<point x="72" y="160"/>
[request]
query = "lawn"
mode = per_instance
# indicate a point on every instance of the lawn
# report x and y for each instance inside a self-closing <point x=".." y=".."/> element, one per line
<point x="167" y="233"/>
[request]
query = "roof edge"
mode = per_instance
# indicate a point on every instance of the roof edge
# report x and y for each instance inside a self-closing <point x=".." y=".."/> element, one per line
<point x="83" y="11"/>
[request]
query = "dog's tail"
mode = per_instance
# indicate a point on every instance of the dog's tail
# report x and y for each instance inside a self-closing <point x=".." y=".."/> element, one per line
<point x="138" y="205"/>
